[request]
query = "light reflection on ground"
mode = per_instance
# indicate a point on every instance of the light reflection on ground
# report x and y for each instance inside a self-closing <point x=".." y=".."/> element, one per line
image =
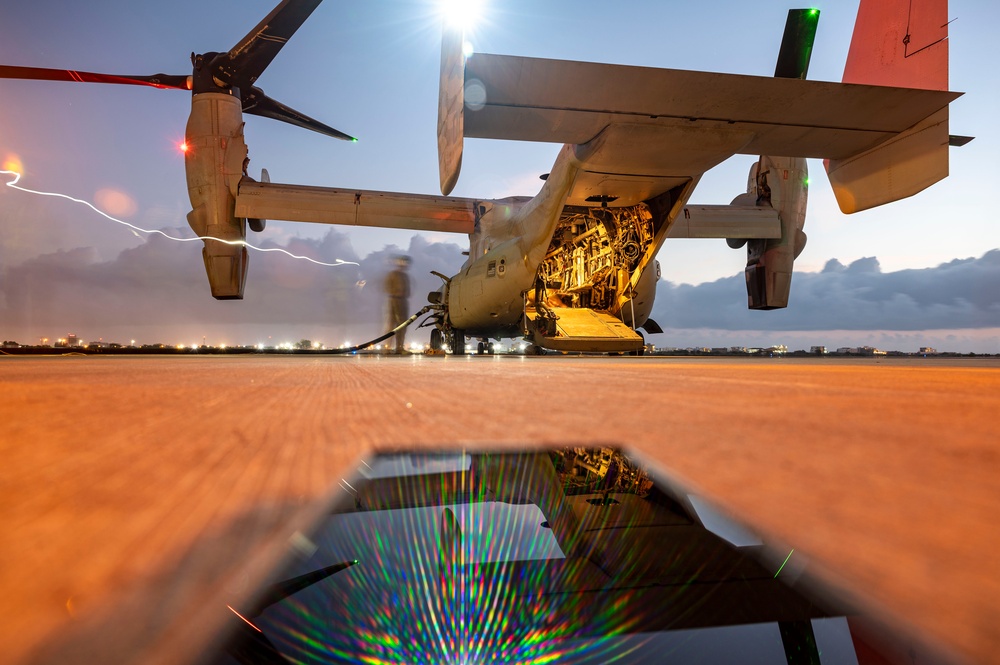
<point x="569" y="556"/>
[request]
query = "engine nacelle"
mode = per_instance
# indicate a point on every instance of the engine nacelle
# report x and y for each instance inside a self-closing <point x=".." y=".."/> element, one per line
<point x="783" y="183"/>
<point x="215" y="162"/>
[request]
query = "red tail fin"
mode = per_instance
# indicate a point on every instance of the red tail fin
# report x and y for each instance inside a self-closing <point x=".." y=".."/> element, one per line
<point x="903" y="44"/>
<point x="900" y="43"/>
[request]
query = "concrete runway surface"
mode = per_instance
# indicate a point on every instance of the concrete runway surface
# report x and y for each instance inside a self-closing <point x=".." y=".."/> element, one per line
<point x="138" y="493"/>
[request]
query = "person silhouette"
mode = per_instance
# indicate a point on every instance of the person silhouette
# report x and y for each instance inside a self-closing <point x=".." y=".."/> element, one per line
<point x="397" y="290"/>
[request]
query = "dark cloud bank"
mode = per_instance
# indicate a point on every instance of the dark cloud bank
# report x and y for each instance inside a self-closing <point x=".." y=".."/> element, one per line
<point x="963" y="293"/>
<point x="158" y="292"/>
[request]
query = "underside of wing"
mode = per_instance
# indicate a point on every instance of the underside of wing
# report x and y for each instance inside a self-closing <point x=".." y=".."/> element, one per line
<point x="643" y="130"/>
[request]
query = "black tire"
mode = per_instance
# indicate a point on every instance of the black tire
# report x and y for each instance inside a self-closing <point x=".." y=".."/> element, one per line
<point x="457" y="340"/>
<point x="437" y="339"/>
<point x="481" y="349"/>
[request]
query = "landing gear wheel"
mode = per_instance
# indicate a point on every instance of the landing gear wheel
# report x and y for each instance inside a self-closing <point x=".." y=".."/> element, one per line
<point x="490" y="349"/>
<point x="437" y="340"/>
<point x="457" y="340"/>
<point x="481" y="349"/>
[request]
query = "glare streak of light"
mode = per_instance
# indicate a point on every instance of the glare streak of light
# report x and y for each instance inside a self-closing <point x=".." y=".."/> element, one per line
<point x="245" y="619"/>
<point x="783" y="563"/>
<point x="17" y="177"/>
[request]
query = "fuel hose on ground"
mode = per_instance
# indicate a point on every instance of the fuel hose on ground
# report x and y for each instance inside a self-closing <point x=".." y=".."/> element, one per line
<point x="352" y="349"/>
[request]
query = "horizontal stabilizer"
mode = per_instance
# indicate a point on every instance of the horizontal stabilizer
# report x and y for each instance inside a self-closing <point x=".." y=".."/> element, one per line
<point x="531" y="99"/>
<point x="642" y="130"/>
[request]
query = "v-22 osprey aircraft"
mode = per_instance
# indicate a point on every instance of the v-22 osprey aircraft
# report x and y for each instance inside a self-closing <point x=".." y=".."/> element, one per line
<point x="573" y="268"/>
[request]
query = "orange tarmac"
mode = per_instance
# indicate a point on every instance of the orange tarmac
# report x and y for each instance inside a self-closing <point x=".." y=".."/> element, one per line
<point x="141" y="494"/>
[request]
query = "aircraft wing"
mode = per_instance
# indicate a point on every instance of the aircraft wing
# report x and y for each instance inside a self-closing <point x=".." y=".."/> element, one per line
<point x="355" y="207"/>
<point x="643" y="130"/>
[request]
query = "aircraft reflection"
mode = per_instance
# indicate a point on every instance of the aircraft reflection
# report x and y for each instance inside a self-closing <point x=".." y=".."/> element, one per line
<point x="575" y="555"/>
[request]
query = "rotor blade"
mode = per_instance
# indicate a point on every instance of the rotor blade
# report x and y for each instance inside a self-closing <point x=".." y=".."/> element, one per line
<point x="42" y="74"/>
<point x="255" y="52"/>
<point x="257" y="103"/>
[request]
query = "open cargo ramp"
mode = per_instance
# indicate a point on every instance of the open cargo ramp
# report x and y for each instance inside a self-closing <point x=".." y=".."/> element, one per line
<point x="586" y="330"/>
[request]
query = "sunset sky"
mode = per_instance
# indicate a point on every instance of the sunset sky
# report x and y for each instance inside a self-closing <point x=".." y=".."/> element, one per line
<point x="918" y="272"/>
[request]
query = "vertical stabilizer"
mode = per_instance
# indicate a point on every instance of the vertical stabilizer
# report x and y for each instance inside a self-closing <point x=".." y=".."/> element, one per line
<point x="898" y="43"/>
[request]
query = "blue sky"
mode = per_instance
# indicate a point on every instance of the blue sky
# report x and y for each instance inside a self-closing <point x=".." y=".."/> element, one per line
<point x="370" y="68"/>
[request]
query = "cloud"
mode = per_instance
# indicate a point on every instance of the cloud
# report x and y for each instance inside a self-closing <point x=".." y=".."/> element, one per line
<point x="157" y="291"/>
<point x="961" y="294"/>
<point x="160" y="288"/>
<point x="30" y="224"/>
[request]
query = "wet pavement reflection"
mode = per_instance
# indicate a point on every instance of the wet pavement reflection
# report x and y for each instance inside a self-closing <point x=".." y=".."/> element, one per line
<point x="572" y="555"/>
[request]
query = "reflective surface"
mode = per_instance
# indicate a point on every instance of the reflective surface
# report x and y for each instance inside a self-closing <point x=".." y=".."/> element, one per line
<point x="572" y="555"/>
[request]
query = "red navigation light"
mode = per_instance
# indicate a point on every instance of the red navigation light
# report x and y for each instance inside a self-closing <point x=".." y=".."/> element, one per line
<point x="183" y="147"/>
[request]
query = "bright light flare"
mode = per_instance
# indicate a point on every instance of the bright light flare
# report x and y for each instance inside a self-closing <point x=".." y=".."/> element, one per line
<point x="12" y="163"/>
<point x="183" y="147"/>
<point x="115" y="202"/>
<point x="463" y="14"/>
